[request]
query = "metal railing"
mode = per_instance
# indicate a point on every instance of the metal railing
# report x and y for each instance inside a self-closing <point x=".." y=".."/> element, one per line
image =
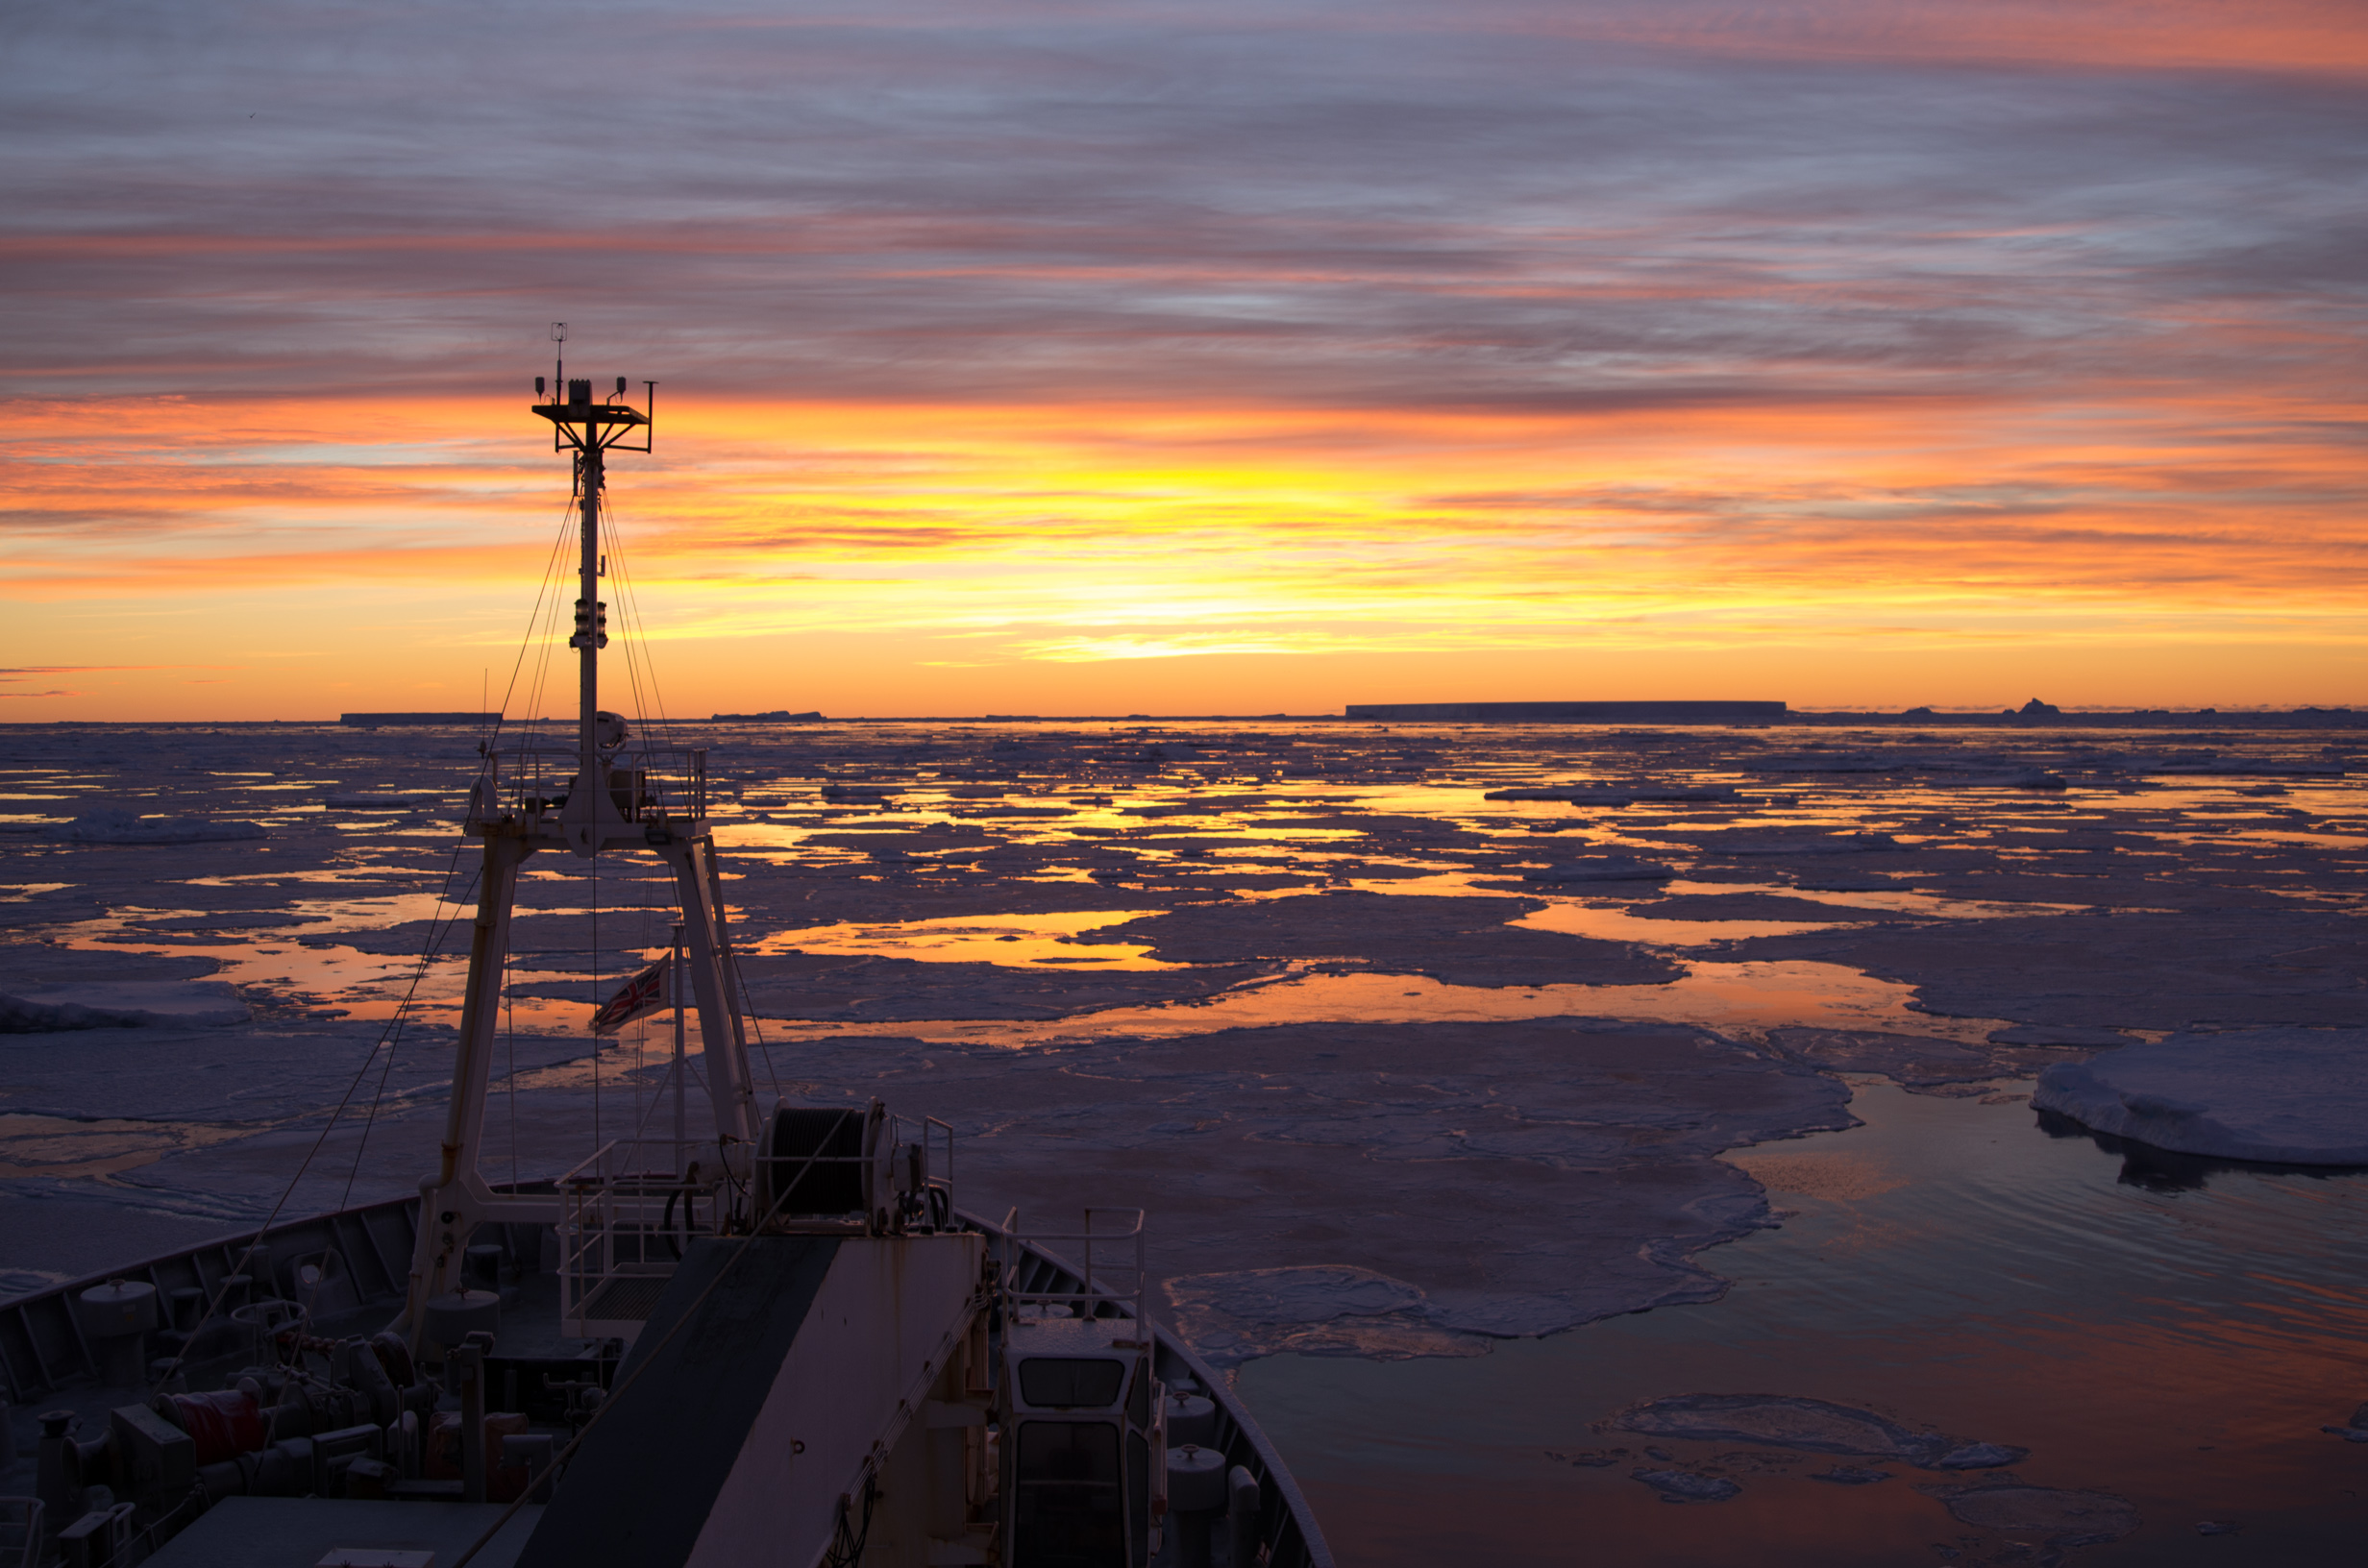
<point x="623" y="1227"/>
<point x="1116" y="1278"/>
<point x="628" y="1211"/>
<point x="645" y="784"/>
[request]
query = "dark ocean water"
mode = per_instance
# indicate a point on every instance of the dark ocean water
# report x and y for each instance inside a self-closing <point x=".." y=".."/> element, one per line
<point x="2174" y="1338"/>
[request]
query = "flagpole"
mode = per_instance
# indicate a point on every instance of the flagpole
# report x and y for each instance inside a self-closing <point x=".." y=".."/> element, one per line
<point x="674" y="990"/>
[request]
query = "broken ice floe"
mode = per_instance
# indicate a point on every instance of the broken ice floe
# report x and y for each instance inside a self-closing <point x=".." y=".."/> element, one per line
<point x="1981" y="1456"/>
<point x="1844" y="1475"/>
<point x="1589" y="1458"/>
<point x="109" y="825"/>
<point x="1686" y="1486"/>
<point x="2064" y="1518"/>
<point x="1602" y="868"/>
<point x="1801" y="844"/>
<point x="2288" y="1097"/>
<point x="1617" y="795"/>
<point x="1319" y="1309"/>
<point x="1845" y="882"/>
<point x="124" y="1005"/>
<point x="2063" y="1035"/>
<point x="1818" y="1426"/>
<point x="2356" y="1432"/>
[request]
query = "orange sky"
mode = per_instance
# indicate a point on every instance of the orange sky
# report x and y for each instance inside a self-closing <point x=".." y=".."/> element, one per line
<point x="1187" y="363"/>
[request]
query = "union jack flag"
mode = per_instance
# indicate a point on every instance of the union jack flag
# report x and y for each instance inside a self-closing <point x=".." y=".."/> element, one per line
<point x="642" y="996"/>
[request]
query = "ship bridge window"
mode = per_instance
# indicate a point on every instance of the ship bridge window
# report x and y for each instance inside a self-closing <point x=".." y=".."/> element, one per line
<point x="1064" y="1383"/>
<point x="1069" y="1512"/>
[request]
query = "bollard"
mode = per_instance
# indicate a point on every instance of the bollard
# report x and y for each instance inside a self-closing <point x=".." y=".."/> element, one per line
<point x="116" y="1319"/>
<point x="1241" y="1516"/>
<point x="59" y="1482"/>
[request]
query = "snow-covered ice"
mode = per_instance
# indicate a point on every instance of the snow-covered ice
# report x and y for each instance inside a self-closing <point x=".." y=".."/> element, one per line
<point x="1602" y="868"/>
<point x="1518" y="1132"/>
<point x="2060" y="1517"/>
<point x="2296" y="1096"/>
<point x="113" y="826"/>
<point x="1686" y="1486"/>
<point x="120" y="1004"/>
<point x="1817" y="1425"/>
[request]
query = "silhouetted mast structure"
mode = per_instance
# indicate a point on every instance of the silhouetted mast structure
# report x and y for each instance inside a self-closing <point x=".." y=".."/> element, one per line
<point x="647" y="800"/>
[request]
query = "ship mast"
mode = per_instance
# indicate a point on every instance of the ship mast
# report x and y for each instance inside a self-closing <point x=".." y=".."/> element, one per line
<point x="645" y="801"/>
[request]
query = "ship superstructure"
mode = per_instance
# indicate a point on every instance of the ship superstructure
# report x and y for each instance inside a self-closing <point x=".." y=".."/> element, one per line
<point x="775" y="1341"/>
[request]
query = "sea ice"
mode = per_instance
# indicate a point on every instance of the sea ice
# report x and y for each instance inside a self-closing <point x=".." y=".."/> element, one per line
<point x="2291" y="1096"/>
<point x="1785" y="1421"/>
<point x="1685" y="1487"/>
<point x="1836" y="762"/>
<point x="1515" y="1177"/>
<point x="1463" y="941"/>
<point x="2062" y="1035"/>
<point x="111" y="826"/>
<point x="1801" y="844"/>
<point x="130" y="1004"/>
<point x="1603" y="868"/>
<point x="2066" y="1518"/>
<point x="1983" y="1457"/>
<point x="1316" y="1309"/>
<point x="2146" y="970"/>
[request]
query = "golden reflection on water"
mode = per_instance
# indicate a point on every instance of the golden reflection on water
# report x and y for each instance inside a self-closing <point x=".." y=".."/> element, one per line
<point x="56" y="1147"/>
<point x="1742" y="998"/>
<point x="1017" y="941"/>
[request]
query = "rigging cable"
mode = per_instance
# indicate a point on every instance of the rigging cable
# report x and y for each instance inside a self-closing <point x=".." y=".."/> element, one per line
<point x="222" y="1291"/>
<point x="542" y="590"/>
<point x="393" y="1038"/>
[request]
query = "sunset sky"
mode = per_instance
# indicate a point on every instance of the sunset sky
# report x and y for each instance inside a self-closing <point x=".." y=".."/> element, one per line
<point x="1191" y="357"/>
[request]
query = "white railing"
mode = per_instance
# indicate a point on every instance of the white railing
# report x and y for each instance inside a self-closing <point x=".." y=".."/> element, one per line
<point x="646" y="783"/>
<point x="624" y="1219"/>
<point x="1107" y="1256"/>
<point x="630" y="1211"/>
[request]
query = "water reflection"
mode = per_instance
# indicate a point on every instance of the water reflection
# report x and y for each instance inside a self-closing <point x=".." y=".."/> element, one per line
<point x="1948" y="1265"/>
<point x="1745" y="1000"/>
<point x="2165" y="1171"/>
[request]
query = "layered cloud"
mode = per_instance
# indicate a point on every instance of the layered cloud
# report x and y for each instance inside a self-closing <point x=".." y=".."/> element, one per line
<point x="1047" y="335"/>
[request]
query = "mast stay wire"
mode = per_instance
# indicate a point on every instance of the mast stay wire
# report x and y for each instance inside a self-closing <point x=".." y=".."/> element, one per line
<point x="542" y="590"/>
<point x="440" y="926"/>
<point x="638" y="641"/>
<point x="545" y="610"/>
<point x="543" y="625"/>
<point x="629" y="618"/>
<point x="641" y="672"/>
<point x="628" y="602"/>
<point x="542" y="630"/>
<point x="394" y="1036"/>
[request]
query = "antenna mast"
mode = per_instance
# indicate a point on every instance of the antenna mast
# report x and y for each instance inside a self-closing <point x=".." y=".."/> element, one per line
<point x="590" y="429"/>
<point x="612" y="803"/>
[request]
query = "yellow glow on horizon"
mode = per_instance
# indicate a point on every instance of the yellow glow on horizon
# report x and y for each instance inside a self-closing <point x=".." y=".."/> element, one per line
<point x="870" y="555"/>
